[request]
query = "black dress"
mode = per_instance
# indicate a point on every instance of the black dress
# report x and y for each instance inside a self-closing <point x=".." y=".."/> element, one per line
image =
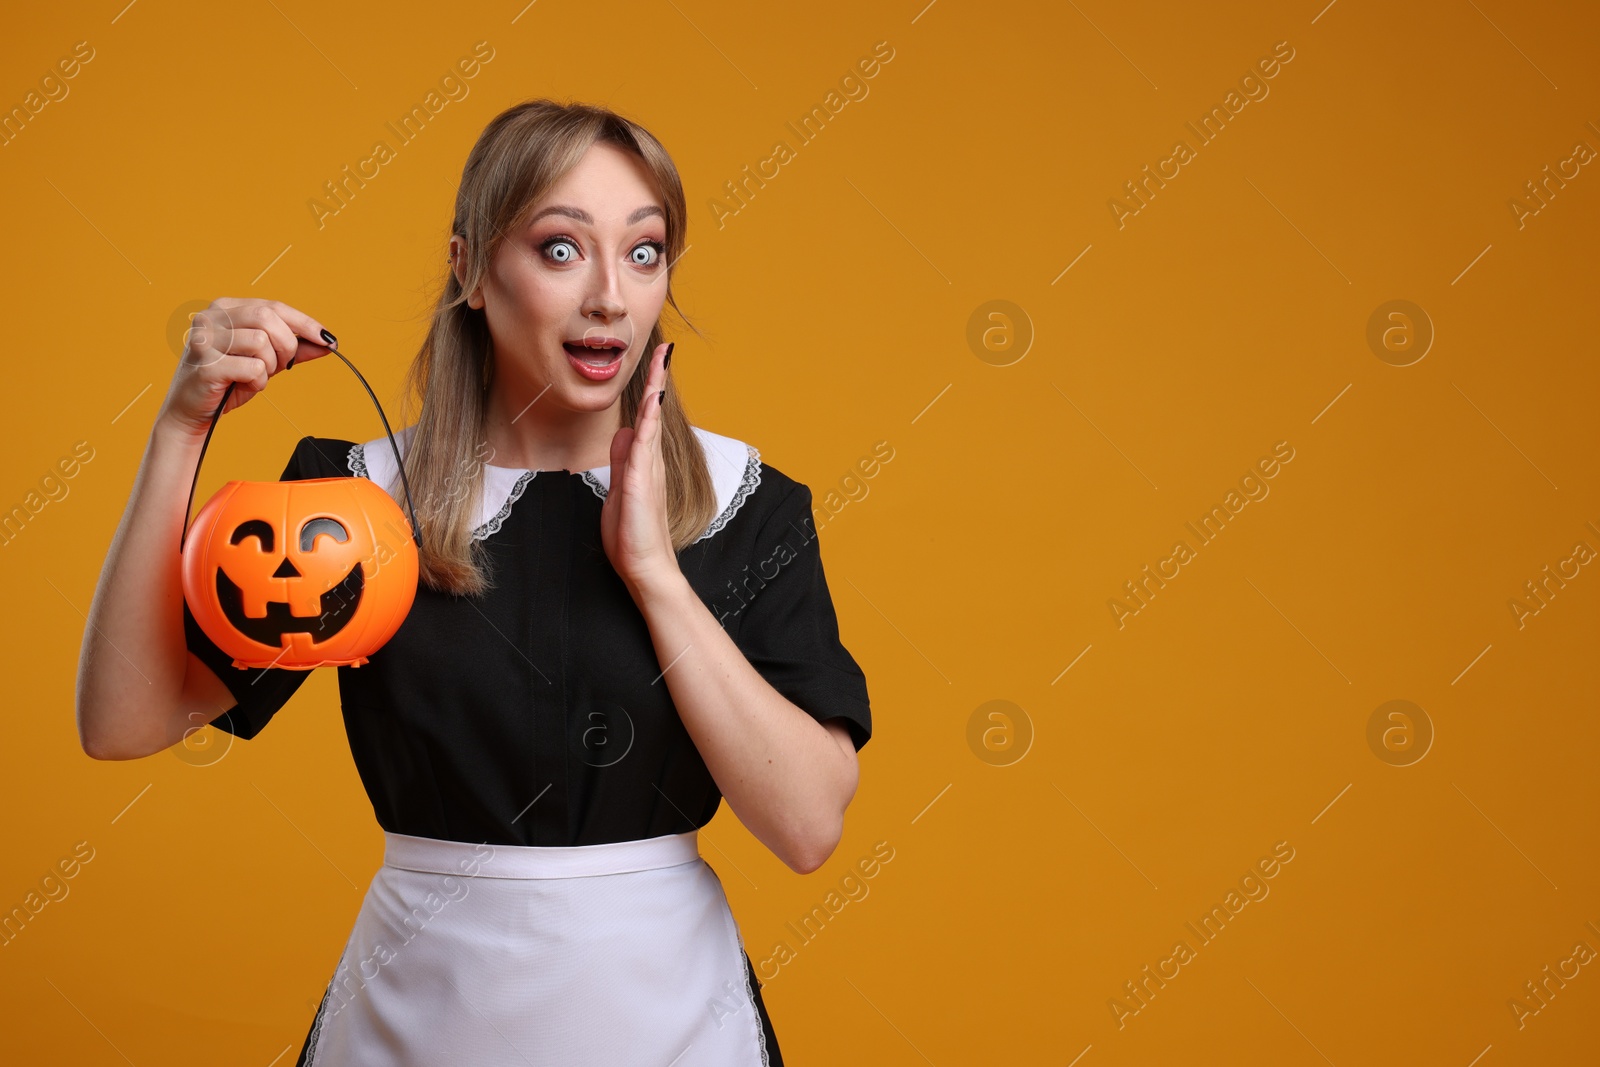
<point x="527" y="716"/>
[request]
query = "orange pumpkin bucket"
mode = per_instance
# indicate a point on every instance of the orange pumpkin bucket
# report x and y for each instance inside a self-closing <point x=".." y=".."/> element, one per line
<point x="300" y="574"/>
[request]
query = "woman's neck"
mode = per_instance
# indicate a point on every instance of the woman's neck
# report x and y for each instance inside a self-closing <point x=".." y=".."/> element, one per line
<point x="525" y="430"/>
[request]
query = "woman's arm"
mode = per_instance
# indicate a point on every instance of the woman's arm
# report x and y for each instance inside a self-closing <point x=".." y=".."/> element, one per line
<point x="139" y="689"/>
<point x="136" y="685"/>
<point x="787" y="776"/>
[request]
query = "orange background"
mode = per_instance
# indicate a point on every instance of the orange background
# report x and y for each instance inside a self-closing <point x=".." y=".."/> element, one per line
<point x="1230" y="313"/>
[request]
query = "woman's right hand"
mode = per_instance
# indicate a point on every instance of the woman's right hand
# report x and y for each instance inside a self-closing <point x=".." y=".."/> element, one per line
<point x="236" y="341"/>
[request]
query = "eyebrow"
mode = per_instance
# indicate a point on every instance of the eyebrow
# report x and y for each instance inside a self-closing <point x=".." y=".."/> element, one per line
<point x="639" y="214"/>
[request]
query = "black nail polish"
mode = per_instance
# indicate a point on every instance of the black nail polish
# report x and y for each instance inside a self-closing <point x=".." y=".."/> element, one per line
<point x="666" y="364"/>
<point x="292" y="358"/>
<point x="661" y="398"/>
<point x="333" y="342"/>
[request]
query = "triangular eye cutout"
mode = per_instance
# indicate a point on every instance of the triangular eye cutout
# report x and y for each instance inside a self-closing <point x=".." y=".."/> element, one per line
<point x="286" y="570"/>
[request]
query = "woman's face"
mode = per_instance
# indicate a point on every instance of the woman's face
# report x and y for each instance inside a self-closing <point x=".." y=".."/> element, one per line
<point x="588" y="270"/>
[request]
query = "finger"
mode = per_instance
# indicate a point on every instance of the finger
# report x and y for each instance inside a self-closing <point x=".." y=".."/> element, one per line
<point x="203" y="342"/>
<point x="244" y="370"/>
<point x="655" y="395"/>
<point x="213" y="338"/>
<point x="256" y="343"/>
<point x="306" y="351"/>
<point x="311" y="339"/>
<point x="661" y="387"/>
<point x="621" y="445"/>
<point x="260" y="317"/>
<point x="306" y="327"/>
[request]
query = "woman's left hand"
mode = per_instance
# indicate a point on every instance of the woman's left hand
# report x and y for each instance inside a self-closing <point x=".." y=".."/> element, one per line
<point x="633" y="520"/>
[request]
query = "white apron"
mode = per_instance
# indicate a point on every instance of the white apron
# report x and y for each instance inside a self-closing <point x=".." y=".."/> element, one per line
<point x="623" y="953"/>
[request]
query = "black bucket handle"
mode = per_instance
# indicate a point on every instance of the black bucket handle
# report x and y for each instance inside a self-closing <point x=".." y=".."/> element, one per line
<point x="416" y="529"/>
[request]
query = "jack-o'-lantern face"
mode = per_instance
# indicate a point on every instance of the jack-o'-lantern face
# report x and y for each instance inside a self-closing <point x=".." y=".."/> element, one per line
<point x="335" y="607"/>
<point x="300" y="574"/>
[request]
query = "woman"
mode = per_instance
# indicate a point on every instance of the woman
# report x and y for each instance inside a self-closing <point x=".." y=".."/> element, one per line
<point x="621" y="619"/>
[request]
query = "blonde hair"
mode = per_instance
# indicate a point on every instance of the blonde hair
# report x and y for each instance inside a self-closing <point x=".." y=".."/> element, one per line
<point x="518" y="157"/>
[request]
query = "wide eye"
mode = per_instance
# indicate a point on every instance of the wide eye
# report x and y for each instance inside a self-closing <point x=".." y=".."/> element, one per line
<point x="561" y="250"/>
<point x="332" y="527"/>
<point x="650" y="254"/>
<point x="257" y="528"/>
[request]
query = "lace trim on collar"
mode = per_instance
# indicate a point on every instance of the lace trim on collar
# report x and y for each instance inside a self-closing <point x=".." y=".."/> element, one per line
<point x="747" y="485"/>
<point x="492" y="526"/>
<point x="357" y="462"/>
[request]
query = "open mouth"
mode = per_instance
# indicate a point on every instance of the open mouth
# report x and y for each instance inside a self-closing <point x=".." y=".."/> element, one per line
<point x="338" y="605"/>
<point x="601" y="356"/>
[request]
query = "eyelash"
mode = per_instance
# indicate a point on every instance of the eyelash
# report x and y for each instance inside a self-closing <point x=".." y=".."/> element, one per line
<point x="559" y="238"/>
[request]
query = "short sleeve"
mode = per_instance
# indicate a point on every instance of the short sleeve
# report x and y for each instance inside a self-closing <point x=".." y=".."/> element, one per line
<point x="789" y="631"/>
<point x="258" y="692"/>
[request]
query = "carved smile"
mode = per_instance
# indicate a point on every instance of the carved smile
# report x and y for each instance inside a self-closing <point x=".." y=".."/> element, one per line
<point x="339" y="606"/>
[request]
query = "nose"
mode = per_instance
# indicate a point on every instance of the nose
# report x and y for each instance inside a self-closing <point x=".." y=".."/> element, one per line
<point x="603" y="302"/>
<point x="286" y="570"/>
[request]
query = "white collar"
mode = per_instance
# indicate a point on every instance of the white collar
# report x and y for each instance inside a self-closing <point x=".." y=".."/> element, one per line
<point x="734" y="466"/>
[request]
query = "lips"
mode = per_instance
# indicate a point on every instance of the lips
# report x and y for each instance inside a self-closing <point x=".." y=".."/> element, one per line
<point x="596" y="359"/>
